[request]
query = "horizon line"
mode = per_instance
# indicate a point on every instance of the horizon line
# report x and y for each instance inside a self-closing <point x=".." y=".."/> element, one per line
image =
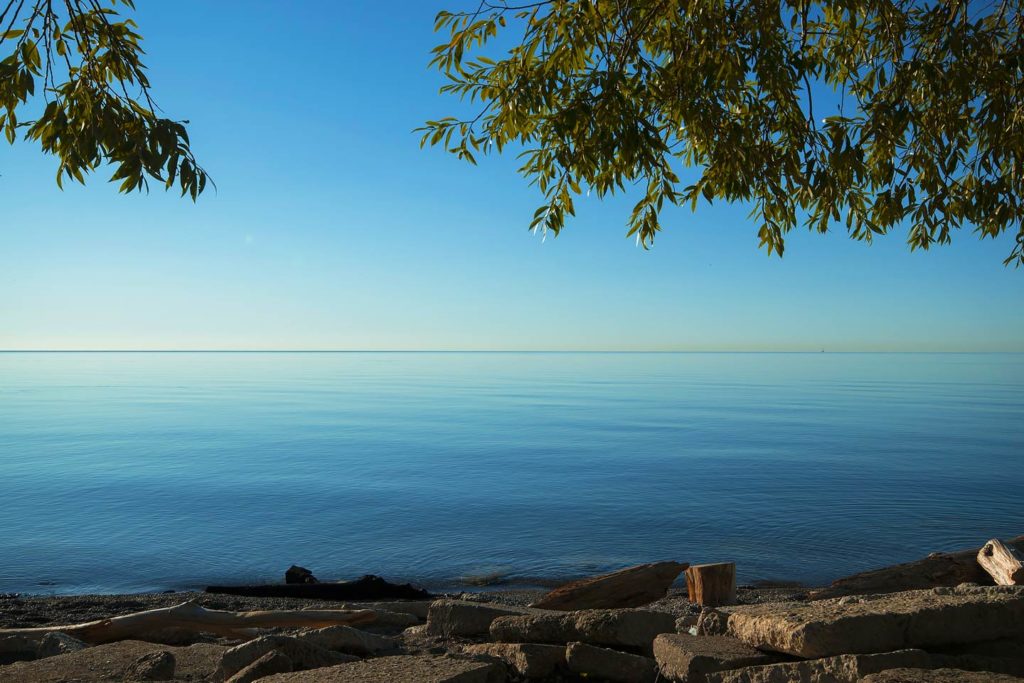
<point x="537" y="351"/>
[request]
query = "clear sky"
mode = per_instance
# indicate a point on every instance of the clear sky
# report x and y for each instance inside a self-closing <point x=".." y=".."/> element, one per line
<point x="331" y="229"/>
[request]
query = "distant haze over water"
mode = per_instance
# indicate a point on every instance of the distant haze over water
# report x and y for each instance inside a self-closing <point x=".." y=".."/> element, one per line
<point x="150" y="471"/>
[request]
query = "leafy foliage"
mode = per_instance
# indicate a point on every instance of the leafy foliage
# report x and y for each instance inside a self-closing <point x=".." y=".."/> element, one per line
<point x="922" y="122"/>
<point x="84" y="61"/>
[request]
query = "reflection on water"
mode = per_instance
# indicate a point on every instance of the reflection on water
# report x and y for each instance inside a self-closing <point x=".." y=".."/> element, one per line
<point x="145" y="471"/>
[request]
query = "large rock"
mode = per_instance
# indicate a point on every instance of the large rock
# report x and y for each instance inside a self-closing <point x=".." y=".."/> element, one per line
<point x="841" y="669"/>
<point x="348" y="640"/>
<point x="17" y="649"/>
<point x="303" y="655"/>
<point x="529" y="660"/>
<point x="938" y="676"/>
<point x="109" y="663"/>
<point x="883" y="623"/>
<point x="447" y="618"/>
<point x="418" y="668"/>
<point x="54" y="644"/>
<point x="631" y="587"/>
<point x="153" y="666"/>
<point x="690" y="658"/>
<point x="613" y="666"/>
<point x="269" y="664"/>
<point x="623" y="628"/>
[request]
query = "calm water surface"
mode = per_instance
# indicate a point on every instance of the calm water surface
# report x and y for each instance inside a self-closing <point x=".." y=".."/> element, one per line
<point x="140" y="471"/>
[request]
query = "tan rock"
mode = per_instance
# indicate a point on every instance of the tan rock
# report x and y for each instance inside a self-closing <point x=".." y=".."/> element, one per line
<point x="269" y="664"/>
<point x="109" y="663"/>
<point x="882" y="623"/>
<point x="938" y="676"/>
<point x="623" y="628"/>
<point x="529" y="660"/>
<point x="448" y="618"/>
<point x="690" y="658"/>
<point x="348" y="640"/>
<point x="610" y="665"/>
<point x="303" y="655"/>
<point x="402" y="668"/>
<point x="841" y="669"/>
<point x="631" y="587"/>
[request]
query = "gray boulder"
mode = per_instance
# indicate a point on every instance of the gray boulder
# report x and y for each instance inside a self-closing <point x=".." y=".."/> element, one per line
<point x="59" y="644"/>
<point x="529" y="660"/>
<point x="622" y="628"/>
<point x="155" y="666"/>
<point x="609" y="665"/>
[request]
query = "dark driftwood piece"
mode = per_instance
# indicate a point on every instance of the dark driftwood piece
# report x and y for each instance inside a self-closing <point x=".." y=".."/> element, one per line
<point x="367" y="588"/>
<point x="1003" y="563"/>
<point x="938" y="569"/>
<point x="193" y="617"/>
<point x="297" y="574"/>
<point x="712" y="585"/>
<point x="631" y="587"/>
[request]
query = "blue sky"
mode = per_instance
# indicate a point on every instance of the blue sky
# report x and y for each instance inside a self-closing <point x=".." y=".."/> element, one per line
<point x="332" y="229"/>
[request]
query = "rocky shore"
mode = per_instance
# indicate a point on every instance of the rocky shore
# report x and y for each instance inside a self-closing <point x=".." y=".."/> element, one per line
<point x="625" y="627"/>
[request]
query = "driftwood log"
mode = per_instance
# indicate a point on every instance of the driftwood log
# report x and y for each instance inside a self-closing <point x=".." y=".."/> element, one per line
<point x="1003" y="563"/>
<point x="193" y="617"/>
<point x="712" y="585"/>
<point x="938" y="569"/>
<point x="367" y="588"/>
<point x="630" y="587"/>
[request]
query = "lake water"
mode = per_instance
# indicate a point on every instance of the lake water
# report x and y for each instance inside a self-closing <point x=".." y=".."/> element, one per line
<point x="151" y="471"/>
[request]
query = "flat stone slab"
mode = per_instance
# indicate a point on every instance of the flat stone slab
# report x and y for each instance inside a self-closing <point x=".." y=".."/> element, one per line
<point x="419" y="668"/>
<point x="348" y="640"/>
<point x="623" y="628"/>
<point x="610" y="665"/>
<point x="690" y="658"/>
<point x="882" y="623"/>
<point x="109" y="663"/>
<point x="841" y="669"/>
<point x="448" y="618"/>
<point x="938" y="676"/>
<point x="529" y="660"/>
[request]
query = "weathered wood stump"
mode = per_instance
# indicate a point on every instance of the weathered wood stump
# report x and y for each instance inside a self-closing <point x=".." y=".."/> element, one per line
<point x="1003" y="563"/>
<point x="712" y="585"/>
